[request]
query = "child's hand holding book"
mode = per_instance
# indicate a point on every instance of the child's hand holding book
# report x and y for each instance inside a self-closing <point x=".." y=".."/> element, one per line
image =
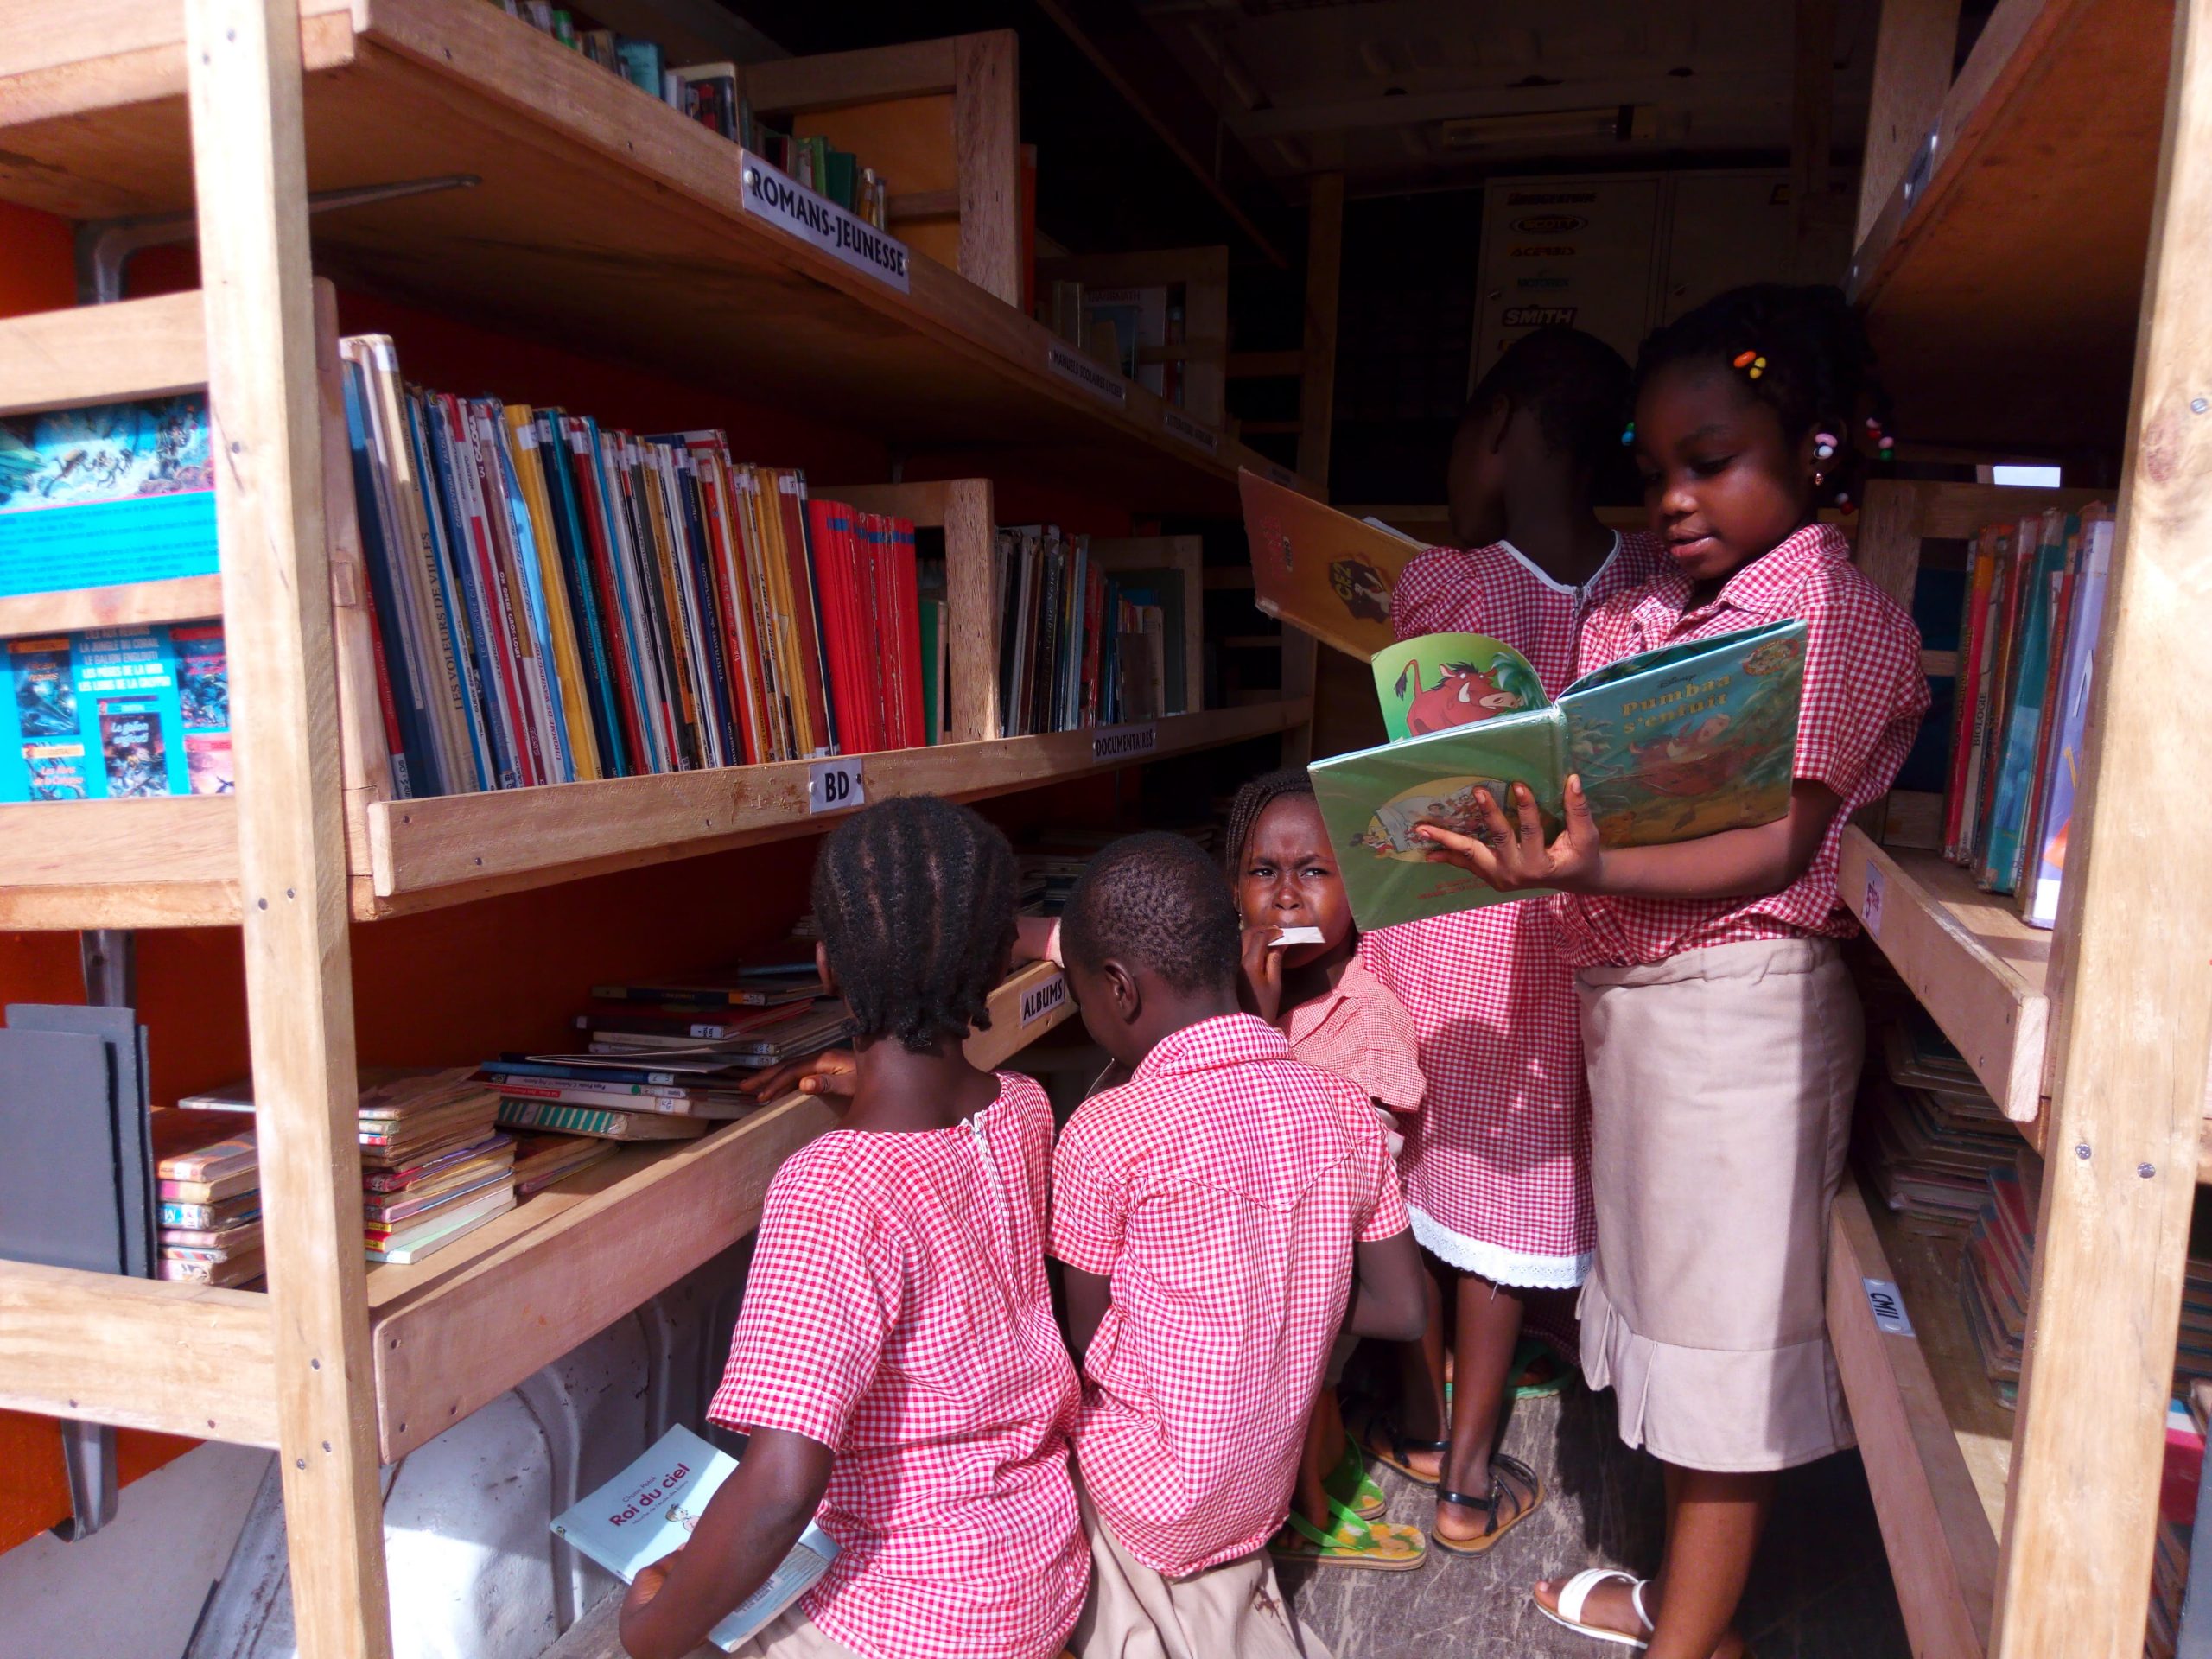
<point x="1514" y="857"/>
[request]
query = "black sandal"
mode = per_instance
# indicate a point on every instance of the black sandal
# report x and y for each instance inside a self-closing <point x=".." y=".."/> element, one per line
<point x="1392" y="1452"/>
<point x="1498" y="1492"/>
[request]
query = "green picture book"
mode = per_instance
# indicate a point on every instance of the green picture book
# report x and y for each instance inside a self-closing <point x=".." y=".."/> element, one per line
<point x="1670" y="745"/>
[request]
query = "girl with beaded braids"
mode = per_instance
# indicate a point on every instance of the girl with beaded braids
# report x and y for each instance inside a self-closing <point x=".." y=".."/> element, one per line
<point x="896" y="1362"/>
<point x="1720" y="1027"/>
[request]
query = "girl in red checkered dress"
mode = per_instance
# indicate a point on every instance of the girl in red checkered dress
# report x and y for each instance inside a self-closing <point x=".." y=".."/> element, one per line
<point x="896" y="1362"/>
<point x="1496" y="1167"/>
<point x="1722" y="1032"/>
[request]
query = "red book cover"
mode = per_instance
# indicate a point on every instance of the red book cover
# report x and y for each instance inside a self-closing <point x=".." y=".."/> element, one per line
<point x="1973" y="636"/>
<point x="826" y="546"/>
<point x="876" y="568"/>
<point x="610" y="606"/>
<point x="732" y="616"/>
<point x="910" y="632"/>
<point x="492" y="583"/>
<point x="791" y="501"/>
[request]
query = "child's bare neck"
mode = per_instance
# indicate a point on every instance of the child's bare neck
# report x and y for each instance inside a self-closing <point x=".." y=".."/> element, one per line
<point x="901" y="1091"/>
<point x="1317" y="979"/>
<point x="1562" y="539"/>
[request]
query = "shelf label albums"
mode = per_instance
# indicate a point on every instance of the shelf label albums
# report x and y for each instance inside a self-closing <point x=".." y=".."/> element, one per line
<point x="835" y="786"/>
<point x="1180" y="425"/>
<point x="815" y="220"/>
<point x="1125" y="742"/>
<point x="1888" y="1308"/>
<point x="1101" y="382"/>
<point x="1041" y="1000"/>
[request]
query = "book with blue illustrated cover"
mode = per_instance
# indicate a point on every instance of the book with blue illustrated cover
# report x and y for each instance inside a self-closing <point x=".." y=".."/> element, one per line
<point x="97" y="497"/>
<point x="112" y="714"/>
<point x="648" y="1512"/>
<point x="1672" y="744"/>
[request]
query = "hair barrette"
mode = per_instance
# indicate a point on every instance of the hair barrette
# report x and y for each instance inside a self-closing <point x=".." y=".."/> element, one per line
<point x="1823" y="445"/>
<point x="1628" y="434"/>
<point x="1752" y="363"/>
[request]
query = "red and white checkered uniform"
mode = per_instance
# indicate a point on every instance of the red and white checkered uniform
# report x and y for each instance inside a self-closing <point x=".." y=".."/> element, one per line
<point x="1864" y="695"/>
<point x="897" y="1312"/>
<point x="1363" y="1033"/>
<point x="1496" y="1167"/>
<point x="1220" y="1191"/>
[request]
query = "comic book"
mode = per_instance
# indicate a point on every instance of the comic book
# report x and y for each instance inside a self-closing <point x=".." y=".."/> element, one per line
<point x="109" y="714"/>
<point x="1322" y="571"/>
<point x="93" y="497"/>
<point x="1670" y="745"/>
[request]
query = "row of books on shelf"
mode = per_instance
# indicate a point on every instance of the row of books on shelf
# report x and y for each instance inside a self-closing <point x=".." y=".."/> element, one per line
<point x="556" y="601"/>
<point x="1132" y="328"/>
<point x="710" y="93"/>
<point x="1079" y="646"/>
<point x="2035" y="596"/>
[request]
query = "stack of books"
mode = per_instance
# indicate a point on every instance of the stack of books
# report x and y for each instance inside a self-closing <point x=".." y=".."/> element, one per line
<point x="541" y="1158"/>
<point x="209" y="1177"/>
<point x="1079" y="646"/>
<point x="1931" y="1134"/>
<point x="434" y="1166"/>
<point x="2035" y="594"/>
<point x="558" y="600"/>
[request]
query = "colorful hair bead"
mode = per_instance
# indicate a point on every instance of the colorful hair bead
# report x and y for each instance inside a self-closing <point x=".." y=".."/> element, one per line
<point x="1823" y="445"/>
<point x="1745" y="359"/>
<point x="1628" y="434"/>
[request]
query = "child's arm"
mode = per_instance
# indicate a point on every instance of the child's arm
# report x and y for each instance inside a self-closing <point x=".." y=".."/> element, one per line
<point x="1388" y="1302"/>
<point x="1036" y="938"/>
<point x="833" y="1074"/>
<point x="1733" y="864"/>
<point x="749" y="1526"/>
<point x="1088" y="1296"/>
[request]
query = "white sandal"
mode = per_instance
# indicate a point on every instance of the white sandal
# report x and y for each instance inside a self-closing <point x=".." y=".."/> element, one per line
<point x="1575" y="1594"/>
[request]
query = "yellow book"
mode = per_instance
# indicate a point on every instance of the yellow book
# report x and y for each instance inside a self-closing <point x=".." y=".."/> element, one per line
<point x="568" y="661"/>
<point x="1323" y="570"/>
<point x="789" y="705"/>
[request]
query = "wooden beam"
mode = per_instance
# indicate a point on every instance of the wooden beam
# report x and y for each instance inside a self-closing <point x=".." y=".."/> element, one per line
<point x="139" y="1353"/>
<point x="104" y="354"/>
<point x="1812" y="133"/>
<point x="250" y="171"/>
<point x="1317" y="389"/>
<point x="987" y="149"/>
<point x="2135" y="1030"/>
<point x="174" y="599"/>
<point x="832" y="80"/>
<point x="1913" y="52"/>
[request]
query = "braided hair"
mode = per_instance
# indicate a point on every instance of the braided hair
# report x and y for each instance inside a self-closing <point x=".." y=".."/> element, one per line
<point x="1155" y="899"/>
<point x="1816" y="368"/>
<point x="1252" y="801"/>
<point x="916" y="898"/>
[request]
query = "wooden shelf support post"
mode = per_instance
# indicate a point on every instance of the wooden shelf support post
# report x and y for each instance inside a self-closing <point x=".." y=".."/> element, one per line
<point x="249" y="160"/>
<point x="1316" y="399"/>
<point x="2136" y="1026"/>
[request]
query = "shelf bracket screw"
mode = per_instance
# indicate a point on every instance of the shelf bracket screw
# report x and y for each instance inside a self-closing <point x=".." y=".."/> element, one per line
<point x="2198" y="405"/>
<point x="2146" y="1171"/>
<point x="2082" y="1151"/>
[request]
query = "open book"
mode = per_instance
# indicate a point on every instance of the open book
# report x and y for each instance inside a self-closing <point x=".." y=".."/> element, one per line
<point x="648" y="1512"/>
<point x="1670" y="745"/>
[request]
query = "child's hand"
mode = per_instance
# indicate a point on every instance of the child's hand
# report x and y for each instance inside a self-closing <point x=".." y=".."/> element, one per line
<point x="648" y="1583"/>
<point x="832" y="1074"/>
<point x="1513" y="857"/>
<point x="1262" y="987"/>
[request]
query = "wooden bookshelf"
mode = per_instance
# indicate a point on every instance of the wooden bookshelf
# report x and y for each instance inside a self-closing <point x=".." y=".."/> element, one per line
<point x="602" y="218"/>
<point x="174" y="862"/>
<point x="1937" y="1443"/>
<point x="2044" y="162"/>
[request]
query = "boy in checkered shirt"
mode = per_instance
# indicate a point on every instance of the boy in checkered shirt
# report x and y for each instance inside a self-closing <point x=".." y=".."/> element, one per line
<point x="1220" y="1216"/>
<point x="896" y="1362"/>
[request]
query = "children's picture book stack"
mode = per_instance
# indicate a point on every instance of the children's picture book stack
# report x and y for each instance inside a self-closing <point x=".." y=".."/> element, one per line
<point x="2035" y="599"/>
<point x="649" y="1511"/>
<point x="1079" y="646"/>
<point x="209" y="1174"/>
<point x="1929" y="1134"/>
<point x="543" y="1159"/>
<point x="558" y="600"/>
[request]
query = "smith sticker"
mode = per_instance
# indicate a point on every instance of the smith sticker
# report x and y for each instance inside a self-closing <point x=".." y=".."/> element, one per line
<point x="1539" y="316"/>
<point x="1549" y="223"/>
<point x="1042" y="999"/>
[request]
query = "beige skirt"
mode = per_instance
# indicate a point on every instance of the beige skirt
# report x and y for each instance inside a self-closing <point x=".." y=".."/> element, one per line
<point x="1721" y="1083"/>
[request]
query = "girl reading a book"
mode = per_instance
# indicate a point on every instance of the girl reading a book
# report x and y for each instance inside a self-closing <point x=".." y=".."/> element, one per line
<point x="896" y="1362"/>
<point x="1339" y="1017"/>
<point x="1722" y="1032"/>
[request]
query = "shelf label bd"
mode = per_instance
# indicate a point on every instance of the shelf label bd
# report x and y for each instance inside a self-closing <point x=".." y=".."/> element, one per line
<point x="1125" y="742"/>
<point x="1888" y="1308"/>
<point x="1041" y="999"/>
<point x="1180" y="425"/>
<point x="789" y="205"/>
<point x="1870" y="909"/>
<point x="835" y="785"/>
<point x="1099" y="381"/>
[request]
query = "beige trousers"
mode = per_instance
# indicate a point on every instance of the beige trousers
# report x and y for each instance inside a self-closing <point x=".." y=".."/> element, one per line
<point x="790" y="1635"/>
<point x="1235" y="1611"/>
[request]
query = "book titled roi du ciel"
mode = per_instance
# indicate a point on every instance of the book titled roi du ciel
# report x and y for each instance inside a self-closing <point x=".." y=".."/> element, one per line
<point x="647" y="1512"/>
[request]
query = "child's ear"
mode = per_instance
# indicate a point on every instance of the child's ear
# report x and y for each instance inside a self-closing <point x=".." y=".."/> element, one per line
<point x="822" y="967"/>
<point x="1122" y="990"/>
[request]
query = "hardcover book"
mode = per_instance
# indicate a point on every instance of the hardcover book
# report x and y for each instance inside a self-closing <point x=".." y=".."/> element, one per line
<point x="647" y="1513"/>
<point x="1670" y="745"/>
<point x="1323" y="570"/>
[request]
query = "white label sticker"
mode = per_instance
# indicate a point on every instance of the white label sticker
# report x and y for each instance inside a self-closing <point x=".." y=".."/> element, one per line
<point x="817" y="221"/>
<point x="1100" y="382"/>
<point x="1282" y="475"/>
<point x="1870" y="908"/>
<point x="1041" y="1000"/>
<point x="1123" y="742"/>
<point x="1182" y="426"/>
<point x="1888" y="1308"/>
<point x="835" y="785"/>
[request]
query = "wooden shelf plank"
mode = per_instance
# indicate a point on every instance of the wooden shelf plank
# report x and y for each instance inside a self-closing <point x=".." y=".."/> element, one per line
<point x="174" y="599"/>
<point x="168" y="862"/>
<point x="2002" y="286"/>
<point x="140" y="1353"/>
<point x="602" y="218"/>
<point x="448" y="1341"/>
<point x="1975" y="966"/>
<point x="1936" y="1442"/>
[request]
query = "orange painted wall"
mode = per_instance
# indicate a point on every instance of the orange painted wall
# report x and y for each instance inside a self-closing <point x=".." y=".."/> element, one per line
<point x="461" y="984"/>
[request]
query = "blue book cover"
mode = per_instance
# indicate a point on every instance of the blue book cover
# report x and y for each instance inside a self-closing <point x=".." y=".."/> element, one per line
<point x="648" y="1512"/>
<point x="459" y="638"/>
<point x="95" y="497"/>
<point x="112" y="714"/>
<point x="527" y="557"/>
<point x="1672" y="744"/>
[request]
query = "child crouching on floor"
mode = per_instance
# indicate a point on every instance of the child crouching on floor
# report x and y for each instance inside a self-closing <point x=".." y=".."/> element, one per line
<point x="1338" y="1016"/>
<point x="896" y="1361"/>
<point x="1221" y="1216"/>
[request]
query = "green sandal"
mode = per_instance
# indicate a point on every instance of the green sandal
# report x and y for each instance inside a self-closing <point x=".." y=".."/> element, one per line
<point x="1378" y="1547"/>
<point x="1350" y="1484"/>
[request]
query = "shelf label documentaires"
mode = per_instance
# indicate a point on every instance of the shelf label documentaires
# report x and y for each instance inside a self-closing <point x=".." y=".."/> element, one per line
<point x="784" y="201"/>
<point x="1099" y="381"/>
